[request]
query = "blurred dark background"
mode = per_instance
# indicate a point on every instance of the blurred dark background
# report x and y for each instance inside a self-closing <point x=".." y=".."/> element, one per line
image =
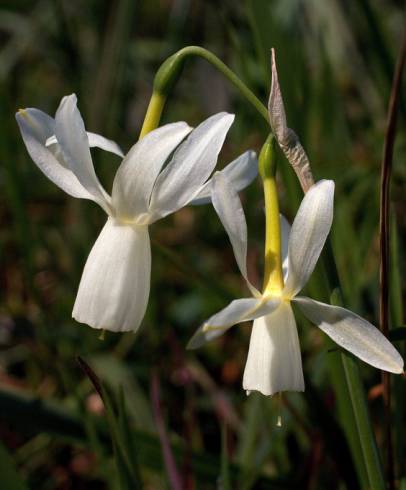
<point x="335" y="60"/>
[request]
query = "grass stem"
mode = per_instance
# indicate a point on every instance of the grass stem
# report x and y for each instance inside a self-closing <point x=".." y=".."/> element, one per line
<point x="384" y="232"/>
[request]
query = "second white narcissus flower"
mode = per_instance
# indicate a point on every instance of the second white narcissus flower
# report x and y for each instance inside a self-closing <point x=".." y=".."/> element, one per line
<point x="274" y="360"/>
<point x="114" y="289"/>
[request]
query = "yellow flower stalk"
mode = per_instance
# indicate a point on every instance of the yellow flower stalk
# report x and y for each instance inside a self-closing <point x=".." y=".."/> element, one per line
<point x="273" y="277"/>
<point x="154" y="112"/>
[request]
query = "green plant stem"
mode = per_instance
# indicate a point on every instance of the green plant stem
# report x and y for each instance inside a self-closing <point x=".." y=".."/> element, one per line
<point x="154" y="113"/>
<point x="353" y="380"/>
<point x="363" y="422"/>
<point x="384" y="229"/>
<point x="170" y="70"/>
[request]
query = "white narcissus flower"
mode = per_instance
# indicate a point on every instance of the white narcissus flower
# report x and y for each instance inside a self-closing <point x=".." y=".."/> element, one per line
<point x="114" y="289"/>
<point x="274" y="361"/>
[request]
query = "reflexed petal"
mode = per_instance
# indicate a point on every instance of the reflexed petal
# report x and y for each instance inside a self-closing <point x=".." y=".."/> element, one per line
<point x="95" y="140"/>
<point x="308" y="234"/>
<point x="353" y="333"/>
<point x="285" y="232"/>
<point x="274" y="361"/>
<point x="190" y="167"/>
<point x="136" y="175"/>
<point x="42" y="125"/>
<point x="114" y="289"/>
<point x="238" y="311"/>
<point x="36" y="127"/>
<point x="74" y="145"/>
<point x="240" y="173"/>
<point x="228" y="207"/>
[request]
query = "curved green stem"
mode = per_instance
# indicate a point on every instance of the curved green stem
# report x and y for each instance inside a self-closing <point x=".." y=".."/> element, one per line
<point x="169" y="73"/>
<point x="170" y="70"/>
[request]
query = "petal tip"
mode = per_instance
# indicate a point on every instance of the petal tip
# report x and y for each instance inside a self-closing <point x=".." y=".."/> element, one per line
<point x="327" y="183"/>
<point x="182" y="124"/>
<point x="21" y="112"/>
<point x="70" y="99"/>
<point x="331" y="183"/>
<point x="227" y="116"/>
<point x="400" y="368"/>
<point x="194" y="343"/>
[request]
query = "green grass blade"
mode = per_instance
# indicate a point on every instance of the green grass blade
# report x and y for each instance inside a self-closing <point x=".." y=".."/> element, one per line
<point x="9" y="477"/>
<point x="225" y="466"/>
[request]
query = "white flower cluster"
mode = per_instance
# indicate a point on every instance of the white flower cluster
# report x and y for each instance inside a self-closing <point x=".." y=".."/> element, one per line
<point x="166" y="170"/>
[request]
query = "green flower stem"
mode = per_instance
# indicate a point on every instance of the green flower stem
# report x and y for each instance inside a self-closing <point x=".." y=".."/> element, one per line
<point x="363" y="422"/>
<point x="169" y="73"/>
<point x="171" y="69"/>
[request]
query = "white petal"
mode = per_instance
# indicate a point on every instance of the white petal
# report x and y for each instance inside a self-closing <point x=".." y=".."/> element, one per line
<point x="74" y="144"/>
<point x="228" y="207"/>
<point x="274" y="361"/>
<point x="238" y="311"/>
<point x="308" y="234"/>
<point x="136" y="175"/>
<point x="95" y="140"/>
<point x="114" y="289"/>
<point x="36" y="127"/>
<point x="191" y="166"/>
<point x="240" y="173"/>
<point x="353" y="333"/>
<point x="285" y="232"/>
<point x="41" y="124"/>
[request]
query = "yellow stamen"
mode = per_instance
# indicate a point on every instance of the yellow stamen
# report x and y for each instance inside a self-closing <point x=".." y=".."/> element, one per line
<point x="154" y="112"/>
<point x="273" y="276"/>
